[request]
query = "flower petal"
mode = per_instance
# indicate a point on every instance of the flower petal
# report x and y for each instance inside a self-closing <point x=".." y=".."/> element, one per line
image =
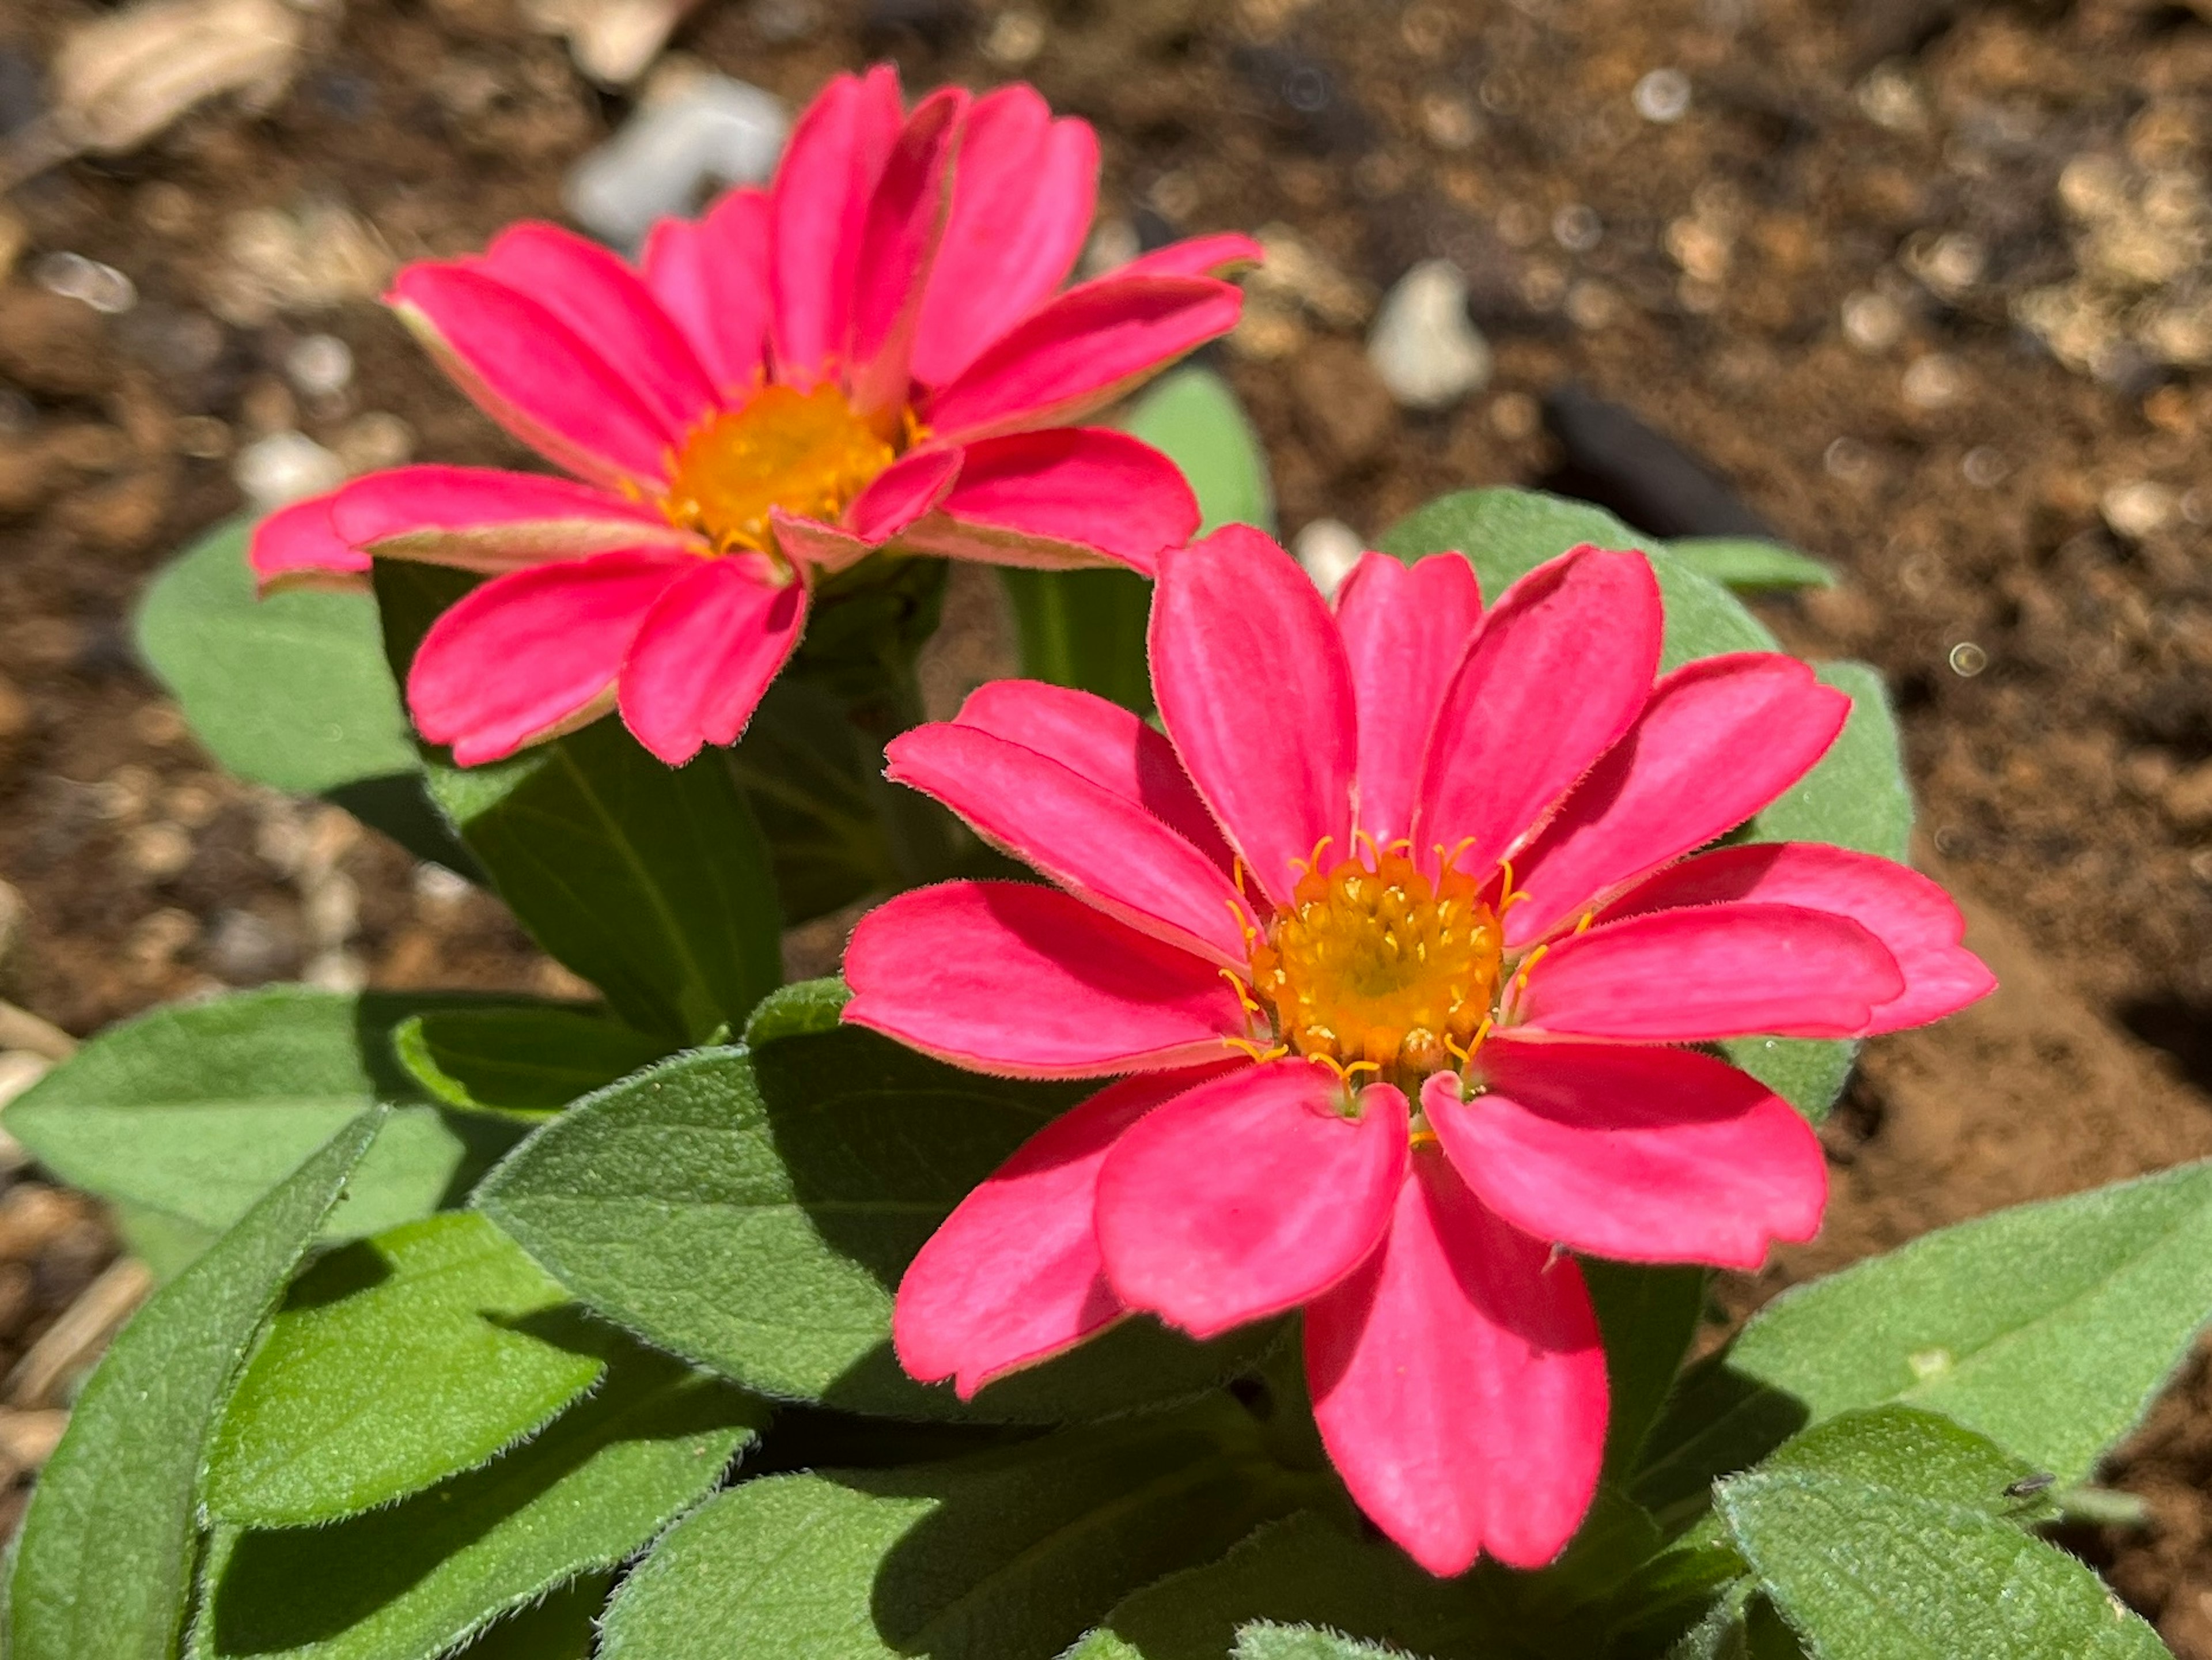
<point x="1407" y="630"/>
<point x="1061" y="499"/>
<point x="1714" y="971"/>
<point x="1101" y="847"/>
<point x="902" y="492"/>
<point x="1248" y="1195"/>
<point x="522" y="656"/>
<point x="1102" y="742"/>
<point x="1642" y="1155"/>
<point x="1562" y="666"/>
<point x="818" y="208"/>
<point x="1082" y="351"/>
<point x="810" y="542"/>
<point x="529" y="372"/>
<point x="1459" y="1382"/>
<point x="706" y="653"/>
<point x="710" y="276"/>
<point x="898" y="242"/>
<point x="1029" y="983"/>
<point x="1253" y="689"/>
<point x="1720" y="739"/>
<point x="296" y="546"/>
<point x="1022" y="201"/>
<point x="1222" y="254"/>
<point x="608" y="309"/>
<point x="1013" y="1276"/>
<point x="483" y="519"/>
<point x="1909" y="914"/>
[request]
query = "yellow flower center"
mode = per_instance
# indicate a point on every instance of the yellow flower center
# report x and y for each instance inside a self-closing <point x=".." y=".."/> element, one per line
<point x="1372" y="962"/>
<point x="804" y="452"/>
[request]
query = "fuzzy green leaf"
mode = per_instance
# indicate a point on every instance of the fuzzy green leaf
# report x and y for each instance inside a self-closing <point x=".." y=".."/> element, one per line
<point x="1647" y="1316"/>
<point x="1887" y="1535"/>
<point x="395" y="1363"/>
<point x="1265" y="1640"/>
<point x="1751" y="566"/>
<point x="1085" y="628"/>
<point x="521" y="1058"/>
<point x="2048" y="1328"/>
<point x="564" y="1626"/>
<point x="1193" y="418"/>
<point x="812" y="785"/>
<point x="755" y="1211"/>
<point x="1006" y="1553"/>
<point x="194" y="1112"/>
<point x="1857" y="796"/>
<point x="417" y="1577"/>
<point x="105" y="1558"/>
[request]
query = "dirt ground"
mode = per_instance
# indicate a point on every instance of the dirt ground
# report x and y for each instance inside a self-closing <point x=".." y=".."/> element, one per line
<point x="1929" y="284"/>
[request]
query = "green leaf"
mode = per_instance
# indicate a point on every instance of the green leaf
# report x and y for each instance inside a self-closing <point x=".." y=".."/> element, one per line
<point x="395" y="1363"/>
<point x="754" y="1212"/>
<point x="1647" y="1316"/>
<point x="2048" y="1328"/>
<point x="651" y="882"/>
<point x="1808" y="1072"/>
<point x="291" y="691"/>
<point x="423" y="1575"/>
<point x="166" y="1244"/>
<point x="1508" y="533"/>
<point x="1085" y="628"/>
<point x="530" y="1058"/>
<point x="805" y="1008"/>
<point x="1193" y="419"/>
<point x="812" y="782"/>
<point x="1856" y="797"/>
<point x="1265" y="1640"/>
<point x="105" y="1558"/>
<point x="1009" y="1554"/>
<point x="1885" y="1535"/>
<point x="1718" y="1421"/>
<point x="1751" y="566"/>
<point x="195" y="1112"/>
<point x="1303" y="1570"/>
<point x="564" y="1626"/>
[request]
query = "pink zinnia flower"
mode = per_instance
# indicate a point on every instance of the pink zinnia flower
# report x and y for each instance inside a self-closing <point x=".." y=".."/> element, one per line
<point x="1395" y="932"/>
<point x="872" y="351"/>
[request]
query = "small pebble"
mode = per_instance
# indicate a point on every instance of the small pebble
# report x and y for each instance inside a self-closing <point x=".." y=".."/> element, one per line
<point x="1329" y="549"/>
<point x="1984" y="466"/>
<point x="158" y="851"/>
<point x="1515" y="416"/>
<point x="1016" y="38"/>
<point x="1889" y="98"/>
<point x="72" y="276"/>
<point x="2138" y="509"/>
<point x="1663" y="96"/>
<point x="320" y="366"/>
<point x="1577" y="228"/>
<point x="1592" y="305"/>
<point x="1451" y="122"/>
<point x="435" y="885"/>
<point x="245" y="948"/>
<point x="1934" y="382"/>
<point x="1424" y="345"/>
<point x="285" y="466"/>
<point x="1847" y="459"/>
<point x="202" y="437"/>
<point x="782" y="21"/>
<point x="371" y="442"/>
<point x="715" y="132"/>
<point x="1968" y="660"/>
<point x="1872" y="322"/>
<point x="1113" y="243"/>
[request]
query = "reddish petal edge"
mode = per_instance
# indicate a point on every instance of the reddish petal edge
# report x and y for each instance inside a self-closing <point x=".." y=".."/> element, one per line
<point x="296" y="547"/>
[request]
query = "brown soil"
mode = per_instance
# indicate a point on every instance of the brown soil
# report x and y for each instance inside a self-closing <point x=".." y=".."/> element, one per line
<point x="2022" y="541"/>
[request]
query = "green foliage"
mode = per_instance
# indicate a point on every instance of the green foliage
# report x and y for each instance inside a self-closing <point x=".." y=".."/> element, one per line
<point x="527" y="1058"/>
<point x="1749" y="565"/>
<point x="1647" y="1316"/>
<point x="2048" y="1328"/>
<point x="811" y="782"/>
<point x="394" y="1363"/>
<point x="415" y="1578"/>
<point x="1265" y="1640"/>
<point x="754" y="1210"/>
<point x="564" y="1626"/>
<point x="1193" y="418"/>
<point x="1857" y="796"/>
<point x="1888" y="1535"/>
<point x="105" y="1559"/>
<point x="192" y="1113"/>
<point x="1012" y="1552"/>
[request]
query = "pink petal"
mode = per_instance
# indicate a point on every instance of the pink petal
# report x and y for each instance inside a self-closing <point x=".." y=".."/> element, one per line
<point x="706" y="653"/>
<point x="608" y="309"/>
<point x="1406" y="631"/>
<point x="483" y="519"/>
<point x="1642" y="1155"/>
<point x="526" y="654"/>
<point x="902" y="492"/>
<point x="529" y="372"/>
<point x="1029" y="983"/>
<point x="296" y="547"/>
<point x="1714" y="971"/>
<point x="810" y="542"/>
<point x="1248" y="1195"/>
<point x="1901" y="907"/>
<point x="1061" y="499"/>
<point x="1255" y="690"/>
<point x="1459" y="1382"/>
<point x="1021" y="200"/>
<point x="818" y="205"/>
<point x="1101" y="847"/>
<point x="710" y="276"/>
<point x="898" y="243"/>
<point x="1720" y="739"/>
<point x="1102" y="742"/>
<point x="1013" y="1276"/>
<point x="1561" y="667"/>
<point x="1081" y="351"/>
<point x="1219" y="255"/>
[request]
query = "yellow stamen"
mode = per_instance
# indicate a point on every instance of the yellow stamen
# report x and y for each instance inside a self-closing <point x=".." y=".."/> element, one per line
<point x="807" y="452"/>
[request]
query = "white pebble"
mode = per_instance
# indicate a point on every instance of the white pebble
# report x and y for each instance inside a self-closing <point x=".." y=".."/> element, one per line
<point x="1934" y="382"/>
<point x="1426" y="350"/>
<point x="76" y="277"/>
<point x="1329" y="549"/>
<point x="285" y="466"/>
<point x="320" y="366"/>
<point x="1872" y="322"/>
<point x="2138" y="509"/>
<point x="1663" y="96"/>
<point x="668" y="155"/>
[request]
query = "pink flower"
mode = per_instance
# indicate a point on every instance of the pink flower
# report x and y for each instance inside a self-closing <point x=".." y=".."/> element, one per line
<point x="875" y="350"/>
<point x="1396" y="934"/>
